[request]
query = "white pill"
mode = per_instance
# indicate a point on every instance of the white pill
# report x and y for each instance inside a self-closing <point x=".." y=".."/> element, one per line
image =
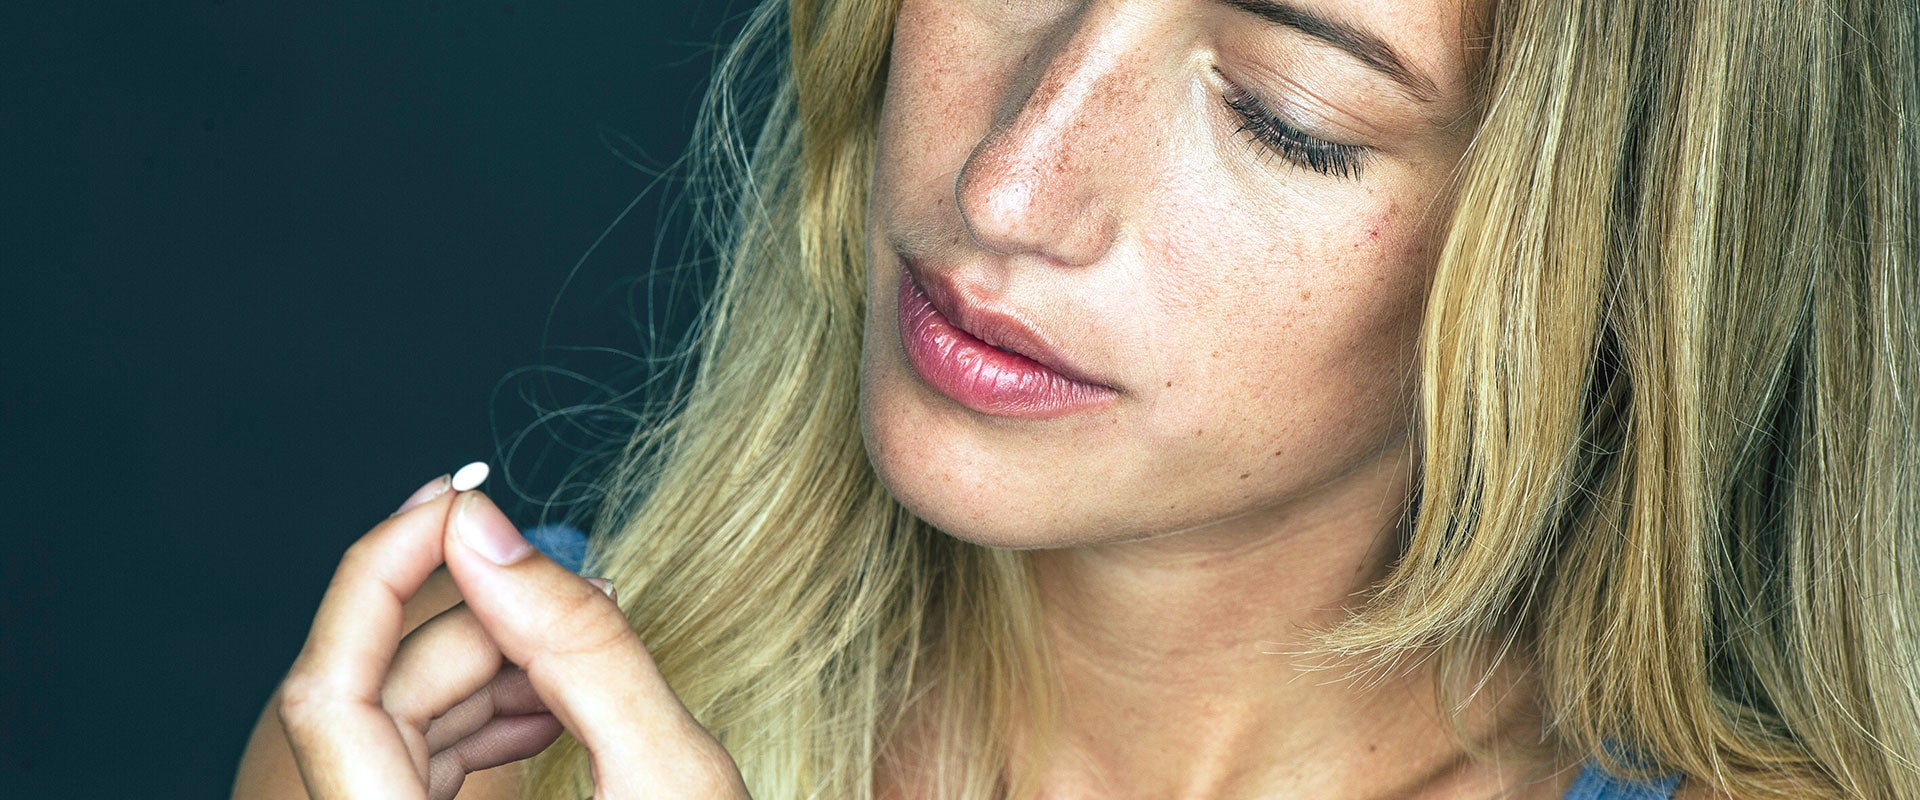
<point x="470" y="476"/>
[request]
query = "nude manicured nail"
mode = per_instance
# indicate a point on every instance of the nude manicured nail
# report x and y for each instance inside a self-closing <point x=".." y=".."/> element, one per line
<point x="434" y="488"/>
<point x="487" y="531"/>
<point x="605" y="586"/>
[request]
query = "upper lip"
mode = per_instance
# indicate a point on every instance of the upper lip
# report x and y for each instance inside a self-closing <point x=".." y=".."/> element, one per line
<point x="1001" y="327"/>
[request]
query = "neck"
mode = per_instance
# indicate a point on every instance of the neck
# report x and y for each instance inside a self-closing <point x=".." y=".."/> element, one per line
<point x="1184" y="669"/>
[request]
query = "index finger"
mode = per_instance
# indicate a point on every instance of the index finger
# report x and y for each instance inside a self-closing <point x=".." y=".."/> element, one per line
<point x="584" y="661"/>
<point x="362" y="614"/>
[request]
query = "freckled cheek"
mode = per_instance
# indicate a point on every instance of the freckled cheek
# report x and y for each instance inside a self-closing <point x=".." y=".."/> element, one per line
<point x="948" y="73"/>
<point x="1397" y="256"/>
<point x="1306" y="323"/>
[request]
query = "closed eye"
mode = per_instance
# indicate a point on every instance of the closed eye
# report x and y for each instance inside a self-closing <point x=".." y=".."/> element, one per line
<point x="1293" y="144"/>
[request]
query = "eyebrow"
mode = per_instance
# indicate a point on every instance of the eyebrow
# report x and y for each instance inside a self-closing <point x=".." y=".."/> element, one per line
<point x="1358" y="42"/>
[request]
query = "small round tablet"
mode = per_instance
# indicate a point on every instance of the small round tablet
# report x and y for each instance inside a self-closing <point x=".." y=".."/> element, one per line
<point x="470" y="476"/>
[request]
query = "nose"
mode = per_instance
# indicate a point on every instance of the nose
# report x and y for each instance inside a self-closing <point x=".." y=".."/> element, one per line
<point x="1044" y="181"/>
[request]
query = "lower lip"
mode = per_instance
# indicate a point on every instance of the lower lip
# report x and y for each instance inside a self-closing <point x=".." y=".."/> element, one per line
<point x="980" y="376"/>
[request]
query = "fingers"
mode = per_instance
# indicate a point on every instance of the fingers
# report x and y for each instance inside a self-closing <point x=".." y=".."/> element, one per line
<point x="458" y="706"/>
<point x="446" y="662"/>
<point x="446" y="681"/>
<point x="344" y="742"/>
<point x="509" y="694"/>
<point x="502" y="740"/>
<point x="583" y="659"/>
<point x="359" y="622"/>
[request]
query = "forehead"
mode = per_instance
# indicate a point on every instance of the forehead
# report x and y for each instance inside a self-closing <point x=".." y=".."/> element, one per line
<point x="1427" y="46"/>
<point x="1440" y="41"/>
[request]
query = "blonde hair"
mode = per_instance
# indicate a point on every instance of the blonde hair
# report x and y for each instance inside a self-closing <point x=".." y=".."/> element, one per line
<point x="1670" y="389"/>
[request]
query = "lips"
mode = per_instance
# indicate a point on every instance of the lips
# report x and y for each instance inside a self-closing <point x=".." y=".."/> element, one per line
<point x="987" y="360"/>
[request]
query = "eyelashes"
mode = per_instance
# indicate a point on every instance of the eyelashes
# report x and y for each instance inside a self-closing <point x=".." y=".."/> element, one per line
<point x="1293" y="144"/>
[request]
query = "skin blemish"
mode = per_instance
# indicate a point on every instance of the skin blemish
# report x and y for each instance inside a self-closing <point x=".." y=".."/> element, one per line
<point x="1245" y="475"/>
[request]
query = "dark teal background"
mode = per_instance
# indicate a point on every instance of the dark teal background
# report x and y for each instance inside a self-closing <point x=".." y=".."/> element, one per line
<point x="267" y="268"/>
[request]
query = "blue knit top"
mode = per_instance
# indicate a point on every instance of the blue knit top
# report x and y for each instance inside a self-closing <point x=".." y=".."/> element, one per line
<point x="568" y="546"/>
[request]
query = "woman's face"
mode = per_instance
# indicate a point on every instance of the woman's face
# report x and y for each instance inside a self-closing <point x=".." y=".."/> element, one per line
<point x="1203" y="228"/>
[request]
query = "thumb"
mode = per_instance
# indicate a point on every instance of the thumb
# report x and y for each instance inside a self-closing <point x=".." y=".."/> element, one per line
<point x="580" y="654"/>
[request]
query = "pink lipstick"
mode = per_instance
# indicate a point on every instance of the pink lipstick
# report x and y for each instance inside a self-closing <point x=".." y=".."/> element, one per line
<point x="985" y="378"/>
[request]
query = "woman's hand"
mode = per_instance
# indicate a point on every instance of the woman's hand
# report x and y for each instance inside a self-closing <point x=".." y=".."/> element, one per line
<point x="371" y="715"/>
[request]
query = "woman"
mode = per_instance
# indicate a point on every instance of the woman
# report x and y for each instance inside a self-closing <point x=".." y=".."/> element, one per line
<point x="1230" y="398"/>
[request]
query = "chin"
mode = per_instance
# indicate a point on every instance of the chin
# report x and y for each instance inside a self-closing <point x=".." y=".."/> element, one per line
<point x="961" y="505"/>
<point x="972" y="491"/>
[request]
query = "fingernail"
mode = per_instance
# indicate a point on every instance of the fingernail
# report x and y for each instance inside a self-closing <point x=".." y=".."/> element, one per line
<point x="434" y="488"/>
<point x="605" y="586"/>
<point x="487" y="531"/>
